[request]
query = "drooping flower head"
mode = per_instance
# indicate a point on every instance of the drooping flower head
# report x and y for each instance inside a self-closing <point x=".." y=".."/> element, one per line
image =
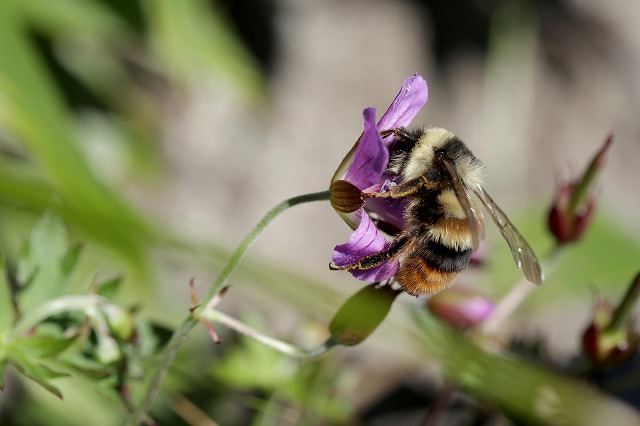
<point x="363" y="169"/>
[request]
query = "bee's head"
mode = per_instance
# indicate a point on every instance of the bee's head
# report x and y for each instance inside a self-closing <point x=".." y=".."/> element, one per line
<point x="421" y="159"/>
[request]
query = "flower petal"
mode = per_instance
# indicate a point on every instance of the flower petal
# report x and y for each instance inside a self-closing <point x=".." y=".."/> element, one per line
<point x="378" y="274"/>
<point x="408" y="102"/>
<point x="365" y="240"/>
<point x="412" y="97"/>
<point x="389" y="211"/>
<point x="371" y="156"/>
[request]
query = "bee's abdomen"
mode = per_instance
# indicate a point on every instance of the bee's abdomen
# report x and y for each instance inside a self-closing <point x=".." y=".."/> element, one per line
<point x="431" y="266"/>
<point x="443" y="258"/>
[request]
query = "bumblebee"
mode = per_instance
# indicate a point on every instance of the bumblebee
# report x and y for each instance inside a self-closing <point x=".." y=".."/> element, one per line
<point x="441" y="184"/>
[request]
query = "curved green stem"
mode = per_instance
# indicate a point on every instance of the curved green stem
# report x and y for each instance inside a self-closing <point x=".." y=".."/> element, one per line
<point x="82" y="303"/>
<point x="180" y="334"/>
<point x="248" y="241"/>
<point x="279" y="345"/>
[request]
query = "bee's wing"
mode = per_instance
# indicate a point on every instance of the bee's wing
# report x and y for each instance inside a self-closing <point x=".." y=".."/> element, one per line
<point x="522" y="253"/>
<point x="471" y="209"/>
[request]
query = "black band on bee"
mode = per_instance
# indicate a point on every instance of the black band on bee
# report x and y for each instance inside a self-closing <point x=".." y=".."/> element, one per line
<point x="405" y="139"/>
<point x="441" y="257"/>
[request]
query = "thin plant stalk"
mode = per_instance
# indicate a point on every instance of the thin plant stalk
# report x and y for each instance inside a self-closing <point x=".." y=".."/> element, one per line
<point x="279" y="345"/>
<point x="180" y="334"/>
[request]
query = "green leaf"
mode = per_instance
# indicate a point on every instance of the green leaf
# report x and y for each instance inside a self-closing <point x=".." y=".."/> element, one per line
<point x="27" y="354"/>
<point x="48" y="240"/>
<point x="520" y="388"/>
<point x="70" y="260"/>
<point x="72" y="18"/>
<point x="41" y="375"/>
<point x="6" y="298"/>
<point x="3" y="364"/>
<point x="33" y="112"/>
<point x="22" y="185"/>
<point x="42" y="346"/>
<point x="88" y="367"/>
<point x="191" y="39"/>
<point x="43" y="261"/>
<point x="31" y="368"/>
<point x="109" y="288"/>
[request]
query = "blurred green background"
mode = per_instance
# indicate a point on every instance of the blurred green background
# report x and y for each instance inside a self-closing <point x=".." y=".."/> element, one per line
<point x="160" y="131"/>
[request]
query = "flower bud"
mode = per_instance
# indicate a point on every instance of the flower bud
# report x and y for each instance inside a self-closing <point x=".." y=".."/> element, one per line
<point x="361" y="314"/>
<point x="345" y="196"/>
<point x="107" y="349"/>
<point x="566" y="225"/>
<point x="573" y="205"/>
<point x="460" y="307"/>
<point x="611" y="338"/>
<point x="479" y="257"/>
<point x="120" y="322"/>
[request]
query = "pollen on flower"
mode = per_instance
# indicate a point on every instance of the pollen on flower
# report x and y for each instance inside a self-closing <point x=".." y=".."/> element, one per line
<point x="388" y="185"/>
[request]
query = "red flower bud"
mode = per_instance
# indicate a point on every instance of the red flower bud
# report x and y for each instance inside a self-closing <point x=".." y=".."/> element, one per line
<point x="611" y="337"/>
<point x="573" y="205"/>
<point x="566" y="225"/>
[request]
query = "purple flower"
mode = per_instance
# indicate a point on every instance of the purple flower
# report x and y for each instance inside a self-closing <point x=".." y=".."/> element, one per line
<point x="364" y="169"/>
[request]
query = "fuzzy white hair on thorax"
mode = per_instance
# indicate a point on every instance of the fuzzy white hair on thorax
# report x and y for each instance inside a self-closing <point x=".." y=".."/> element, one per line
<point x="469" y="168"/>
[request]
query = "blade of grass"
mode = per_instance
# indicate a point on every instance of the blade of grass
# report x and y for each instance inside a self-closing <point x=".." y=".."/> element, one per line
<point x="520" y="388"/>
<point x="32" y="109"/>
<point x="193" y="40"/>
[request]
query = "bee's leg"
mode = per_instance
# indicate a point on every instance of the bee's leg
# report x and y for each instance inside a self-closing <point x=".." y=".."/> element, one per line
<point x="377" y="259"/>
<point x="370" y="262"/>
<point x="411" y="187"/>
<point x="386" y="133"/>
<point x="399" y="132"/>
